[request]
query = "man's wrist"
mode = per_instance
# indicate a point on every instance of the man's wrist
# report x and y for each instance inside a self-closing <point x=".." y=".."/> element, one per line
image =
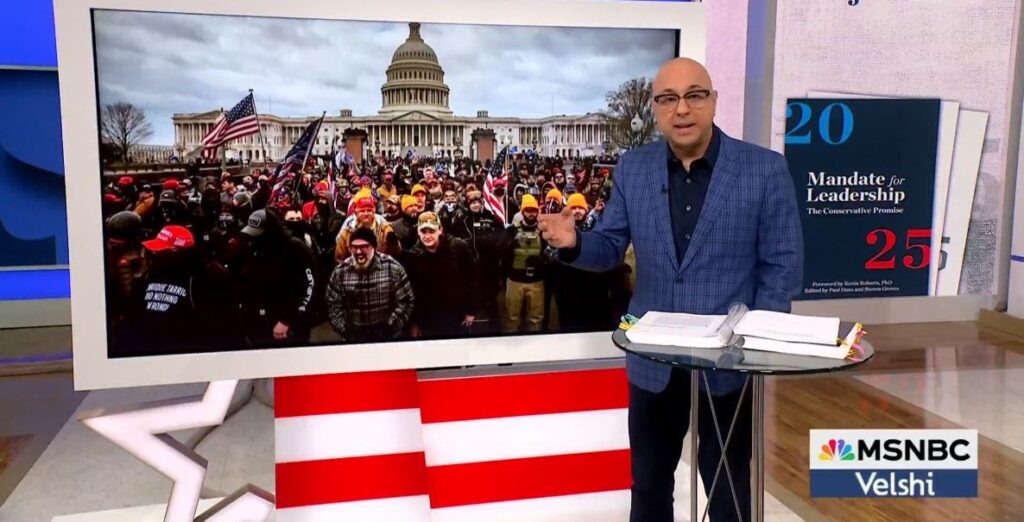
<point x="570" y="254"/>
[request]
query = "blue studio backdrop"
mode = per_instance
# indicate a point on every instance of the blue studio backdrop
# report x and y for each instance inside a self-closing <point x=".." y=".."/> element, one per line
<point x="33" y="221"/>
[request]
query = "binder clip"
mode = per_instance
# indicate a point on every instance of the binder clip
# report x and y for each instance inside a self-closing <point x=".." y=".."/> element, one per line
<point x="627" y="321"/>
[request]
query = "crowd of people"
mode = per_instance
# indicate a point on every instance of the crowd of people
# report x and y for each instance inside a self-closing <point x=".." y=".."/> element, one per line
<point x="386" y="249"/>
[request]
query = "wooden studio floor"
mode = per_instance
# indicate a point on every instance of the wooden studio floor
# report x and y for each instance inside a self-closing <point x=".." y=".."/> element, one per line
<point x="939" y="375"/>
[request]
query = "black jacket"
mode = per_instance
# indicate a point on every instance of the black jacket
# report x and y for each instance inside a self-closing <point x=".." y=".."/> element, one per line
<point x="405" y="231"/>
<point x="444" y="283"/>
<point x="453" y="220"/>
<point x="181" y="307"/>
<point x="278" y="282"/>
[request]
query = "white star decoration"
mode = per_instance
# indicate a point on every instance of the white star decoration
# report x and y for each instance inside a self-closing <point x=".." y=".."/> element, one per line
<point x="142" y="431"/>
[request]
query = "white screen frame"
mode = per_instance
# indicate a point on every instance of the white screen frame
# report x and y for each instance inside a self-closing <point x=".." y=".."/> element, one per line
<point x="92" y="367"/>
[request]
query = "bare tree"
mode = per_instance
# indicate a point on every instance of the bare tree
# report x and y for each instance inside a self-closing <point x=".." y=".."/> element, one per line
<point x="124" y="126"/>
<point x="631" y="99"/>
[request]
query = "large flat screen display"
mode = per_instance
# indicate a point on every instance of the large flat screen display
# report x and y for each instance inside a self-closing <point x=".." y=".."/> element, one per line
<point x="260" y="189"/>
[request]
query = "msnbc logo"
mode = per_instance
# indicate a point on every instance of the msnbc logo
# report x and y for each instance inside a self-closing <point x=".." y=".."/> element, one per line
<point x="894" y="463"/>
<point x="836" y="450"/>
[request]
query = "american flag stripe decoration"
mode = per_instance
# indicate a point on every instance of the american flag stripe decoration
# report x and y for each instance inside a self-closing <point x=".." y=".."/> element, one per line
<point x="528" y="447"/>
<point x="239" y="122"/>
<point x="389" y="446"/>
<point x="349" y="447"/>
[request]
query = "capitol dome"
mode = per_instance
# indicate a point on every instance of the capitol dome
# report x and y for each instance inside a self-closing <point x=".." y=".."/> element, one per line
<point x="415" y="79"/>
<point x="414" y="47"/>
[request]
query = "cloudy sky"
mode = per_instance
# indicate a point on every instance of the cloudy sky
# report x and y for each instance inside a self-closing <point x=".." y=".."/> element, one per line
<point x="168" y="63"/>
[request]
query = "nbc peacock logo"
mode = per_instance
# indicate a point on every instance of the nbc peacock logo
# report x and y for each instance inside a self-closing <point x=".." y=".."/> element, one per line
<point x="836" y="450"/>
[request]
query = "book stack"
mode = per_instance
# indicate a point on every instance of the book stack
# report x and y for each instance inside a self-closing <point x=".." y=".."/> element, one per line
<point x="753" y="330"/>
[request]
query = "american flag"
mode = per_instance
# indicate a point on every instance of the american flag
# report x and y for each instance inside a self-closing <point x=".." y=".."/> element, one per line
<point x="497" y="171"/>
<point x="297" y="155"/>
<point x="239" y="122"/>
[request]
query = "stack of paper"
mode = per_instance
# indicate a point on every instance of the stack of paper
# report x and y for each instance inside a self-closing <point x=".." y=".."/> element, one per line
<point x="795" y="334"/>
<point x="761" y="330"/>
<point x="668" y="329"/>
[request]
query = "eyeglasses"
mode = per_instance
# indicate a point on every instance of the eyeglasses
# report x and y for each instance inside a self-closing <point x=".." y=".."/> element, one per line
<point x="361" y="247"/>
<point x="694" y="99"/>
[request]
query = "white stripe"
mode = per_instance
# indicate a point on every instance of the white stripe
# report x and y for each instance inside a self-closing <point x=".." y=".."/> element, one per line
<point x="527" y="436"/>
<point x="342" y="435"/>
<point x="405" y="509"/>
<point x="610" y="506"/>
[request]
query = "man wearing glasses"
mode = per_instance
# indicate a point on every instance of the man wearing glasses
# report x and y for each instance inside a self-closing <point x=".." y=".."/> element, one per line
<point x="730" y="210"/>
<point x="369" y="298"/>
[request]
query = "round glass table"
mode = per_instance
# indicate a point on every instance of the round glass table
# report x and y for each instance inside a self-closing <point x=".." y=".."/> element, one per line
<point x="755" y="364"/>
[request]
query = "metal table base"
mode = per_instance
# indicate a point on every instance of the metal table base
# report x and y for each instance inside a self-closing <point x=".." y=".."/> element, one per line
<point x="755" y="382"/>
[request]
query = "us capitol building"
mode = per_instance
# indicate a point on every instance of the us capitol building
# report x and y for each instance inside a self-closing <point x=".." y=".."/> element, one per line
<point x="414" y="115"/>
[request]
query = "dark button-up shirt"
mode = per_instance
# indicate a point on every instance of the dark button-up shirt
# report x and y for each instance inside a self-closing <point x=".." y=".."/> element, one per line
<point x="686" y="193"/>
<point x="687" y="190"/>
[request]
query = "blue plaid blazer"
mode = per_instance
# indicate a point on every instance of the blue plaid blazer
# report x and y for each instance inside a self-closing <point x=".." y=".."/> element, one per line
<point x="747" y="247"/>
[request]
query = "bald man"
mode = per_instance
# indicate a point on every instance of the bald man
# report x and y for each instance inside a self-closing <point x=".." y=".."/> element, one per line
<point x="713" y="221"/>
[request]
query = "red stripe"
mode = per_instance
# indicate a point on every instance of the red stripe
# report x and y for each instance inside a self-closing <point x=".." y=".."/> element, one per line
<point x="485" y="482"/>
<point x="447" y="400"/>
<point x="494" y="205"/>
<point x="345" y="393"/>
<point x="346" y="480"/>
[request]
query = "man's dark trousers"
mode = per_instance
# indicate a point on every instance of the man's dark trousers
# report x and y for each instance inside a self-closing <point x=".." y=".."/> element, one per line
<point x="657" y="424"/>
